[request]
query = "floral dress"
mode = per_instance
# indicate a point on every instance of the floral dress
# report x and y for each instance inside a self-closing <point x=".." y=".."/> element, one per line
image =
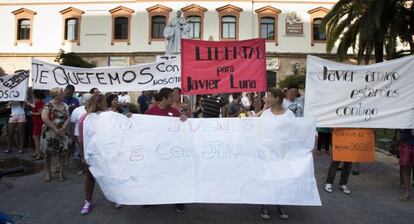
<point x="51" y="143"/>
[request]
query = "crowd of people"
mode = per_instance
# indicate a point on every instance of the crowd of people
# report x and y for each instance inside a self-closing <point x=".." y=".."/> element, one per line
<point x="54" y="121"/>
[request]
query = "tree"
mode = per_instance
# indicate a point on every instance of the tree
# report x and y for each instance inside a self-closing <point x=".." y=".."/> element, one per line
<point x="298" y="80"/>
<point x="369" y="26"/>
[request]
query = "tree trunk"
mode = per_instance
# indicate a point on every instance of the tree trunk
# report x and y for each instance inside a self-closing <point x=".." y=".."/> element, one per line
<point x="379" y="52"/>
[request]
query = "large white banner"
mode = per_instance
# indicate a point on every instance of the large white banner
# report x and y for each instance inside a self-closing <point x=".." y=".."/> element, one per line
<point x="161" y="160"/>
<point x="372" y="96"/>
<point x="151" y="76"/>
<point x="14" y="87"/>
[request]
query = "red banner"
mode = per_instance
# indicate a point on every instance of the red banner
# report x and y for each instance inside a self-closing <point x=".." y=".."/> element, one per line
<point x="223" y="67"/>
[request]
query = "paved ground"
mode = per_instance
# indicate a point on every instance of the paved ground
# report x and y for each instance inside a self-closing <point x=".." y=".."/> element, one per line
<point x="374" y="199"/>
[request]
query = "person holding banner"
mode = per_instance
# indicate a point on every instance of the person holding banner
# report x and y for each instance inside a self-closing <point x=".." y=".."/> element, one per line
<point x="406" y="161"/>
<point x="97" y="104"/>
<point x="37" y="122"/>
<point x="17" y="120"/>
<point x="345" y="172"/>
<point x="164" y="108"/>
<point x="274" y="101"/>
<point x="55" y="135"/>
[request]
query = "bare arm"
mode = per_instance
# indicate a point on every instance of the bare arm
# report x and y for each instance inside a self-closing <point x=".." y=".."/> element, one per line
<point x="47" y="121"/>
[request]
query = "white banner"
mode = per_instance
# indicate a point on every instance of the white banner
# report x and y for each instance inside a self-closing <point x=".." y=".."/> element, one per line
<point x="151" y="76"/>
<point x="161" y="160"/>
<point x="372" y="96"/>
<point x="14" y="87"/>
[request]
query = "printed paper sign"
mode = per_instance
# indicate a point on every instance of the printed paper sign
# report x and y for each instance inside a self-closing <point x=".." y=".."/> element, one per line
<point x="353" y="145"/>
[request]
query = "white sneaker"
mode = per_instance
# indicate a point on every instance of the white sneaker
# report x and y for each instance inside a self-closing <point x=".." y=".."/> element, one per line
<point x="345" y="189"/>
<point x="328" y="188"/>
<point x="86" y="209"/>
<point x="118" y="205"/>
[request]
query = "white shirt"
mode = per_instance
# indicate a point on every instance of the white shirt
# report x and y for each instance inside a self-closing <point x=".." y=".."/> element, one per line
<point x="296" y="106"/>
<point x="245" y="102"/>
<point x="76" y="115"/>
<point x="268" y="113"/>
<point x="124" y="99"/>
<point x="17" y="109"/>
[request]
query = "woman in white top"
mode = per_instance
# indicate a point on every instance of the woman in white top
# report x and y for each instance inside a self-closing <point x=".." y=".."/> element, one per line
<point x="17" y="119"/>
<point x="256" y="108"/>
<point x="274" y="101"/>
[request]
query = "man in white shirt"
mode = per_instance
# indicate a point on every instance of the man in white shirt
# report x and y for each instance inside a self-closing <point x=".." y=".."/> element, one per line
<point x="123" y="101"/>
<point x="293" y="102"/>
<point x="245" y="101"/>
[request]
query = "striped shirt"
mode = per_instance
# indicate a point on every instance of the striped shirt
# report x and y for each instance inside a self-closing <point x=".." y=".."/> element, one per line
<point x="80" y="128"/>
<point x="211" y="106"/>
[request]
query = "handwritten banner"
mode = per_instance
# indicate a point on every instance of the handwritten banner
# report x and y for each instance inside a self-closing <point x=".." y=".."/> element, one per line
<point x="353" y="145"/>
<point x="223" y="67"/>
<point x="161" y="160"/>
<point x="151" y="76"/>
<point x="14" y="87"/>
<point x="372" y="96"/>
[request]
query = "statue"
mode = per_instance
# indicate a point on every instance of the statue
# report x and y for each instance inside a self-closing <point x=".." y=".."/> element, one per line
<point x="176" y="29"/>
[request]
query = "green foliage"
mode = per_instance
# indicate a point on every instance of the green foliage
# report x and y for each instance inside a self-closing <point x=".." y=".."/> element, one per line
<point x="133" y="108"/>
<point x="369" y="26"/>
<point x="72" y="59"/>
<point x="298" y="80"/>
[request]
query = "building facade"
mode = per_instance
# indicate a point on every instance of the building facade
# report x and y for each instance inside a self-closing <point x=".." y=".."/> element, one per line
<point x="118" y="32"/>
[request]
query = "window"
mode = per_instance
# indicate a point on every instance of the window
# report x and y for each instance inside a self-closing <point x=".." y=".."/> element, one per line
<point x="157" y="17"/>
<point x="267" y="18"/>
<point x="23" y="26"/>
<point x="158" y="25"/>
<point x="71" y="29"/>
<point x="195" y="27"/>
<point x="71" y="18"/>
<point x="121" y="28"/>
<point x="23" y="29"/>
<point x="318" y="34"/>
<point x="318" y="30"/>
<point x="121" y="25"/>
<point x="228" y="24"/>
<point x="267" y="27"/>
<point x="195" y="15"/>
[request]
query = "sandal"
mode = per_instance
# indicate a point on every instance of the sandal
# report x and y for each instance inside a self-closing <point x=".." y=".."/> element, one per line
<point x="48" y="178"/>
<point x="404" y="196"/>
<point x="38" y="157"/>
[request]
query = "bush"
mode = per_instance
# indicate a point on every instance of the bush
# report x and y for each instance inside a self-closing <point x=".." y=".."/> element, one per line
<point x="298" y="80"/>
<point x="133" y="108"/>
<point x="72" y="59"/>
